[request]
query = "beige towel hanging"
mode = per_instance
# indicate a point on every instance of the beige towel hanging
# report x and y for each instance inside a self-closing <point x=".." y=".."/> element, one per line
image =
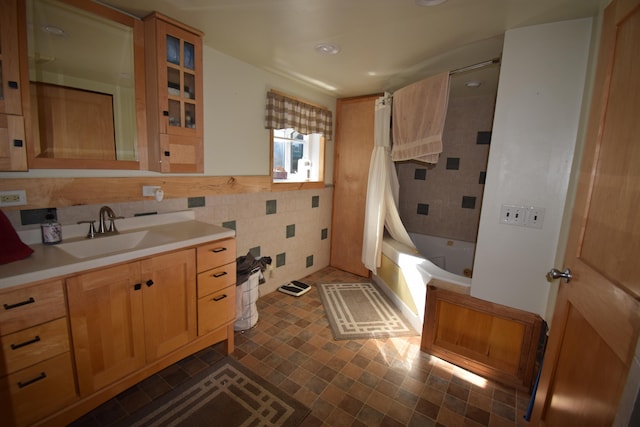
<point x="419" y="112"/>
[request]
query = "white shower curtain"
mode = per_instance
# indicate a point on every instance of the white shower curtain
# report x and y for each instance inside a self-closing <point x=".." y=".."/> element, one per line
<point x="382" y="192"/>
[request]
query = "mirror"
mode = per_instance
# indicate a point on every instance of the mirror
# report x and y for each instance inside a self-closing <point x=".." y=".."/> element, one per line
<point x="86" y="102"/>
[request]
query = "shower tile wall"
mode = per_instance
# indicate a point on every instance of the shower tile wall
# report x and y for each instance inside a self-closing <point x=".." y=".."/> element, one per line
<point x="292" y="227"/>
<point x="444" y="200"/>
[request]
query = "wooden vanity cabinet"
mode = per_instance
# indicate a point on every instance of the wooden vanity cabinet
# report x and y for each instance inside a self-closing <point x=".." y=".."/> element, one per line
<point x="36" y="370"/>
<point x="129" y="315"/>
<point x="216" y="285"/>
<point x="173" y="56"/>
<point x="13" y="152"/>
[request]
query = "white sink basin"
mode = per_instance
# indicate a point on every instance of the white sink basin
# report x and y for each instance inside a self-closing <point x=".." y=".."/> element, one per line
<point x="110" y="244"/>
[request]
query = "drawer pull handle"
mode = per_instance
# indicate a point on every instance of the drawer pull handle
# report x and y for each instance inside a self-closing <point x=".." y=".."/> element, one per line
<point x="149" y="283"/>
<point x="31" y="381"/>
<point x="220" y="298"/>
<point x="137" y="286"/>
<point x="19" y="304"/>
<point x="220" y="274"/>
<point x="26" y="343"/>
<point x="216" y="250"/>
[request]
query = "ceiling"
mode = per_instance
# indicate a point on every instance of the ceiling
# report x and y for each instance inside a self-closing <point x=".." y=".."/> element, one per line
<point x="384" y="44"/>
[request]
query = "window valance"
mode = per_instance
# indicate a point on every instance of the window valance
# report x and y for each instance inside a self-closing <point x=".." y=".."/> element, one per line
<point x="283" y="112"/>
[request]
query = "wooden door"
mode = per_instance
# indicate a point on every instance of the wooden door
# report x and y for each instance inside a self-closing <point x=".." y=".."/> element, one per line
<point x="106" y="315"/>
<point x="354" y="144"/>
<point x="169" y="298"/>
<point x="597" y="315"/>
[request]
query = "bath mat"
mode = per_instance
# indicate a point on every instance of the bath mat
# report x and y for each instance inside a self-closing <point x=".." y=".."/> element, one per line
<point x="226" y="394"/>
<point x="360" y="310"/>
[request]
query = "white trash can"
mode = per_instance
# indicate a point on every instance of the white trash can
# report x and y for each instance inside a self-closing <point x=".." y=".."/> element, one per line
<point x="246" y="296"/>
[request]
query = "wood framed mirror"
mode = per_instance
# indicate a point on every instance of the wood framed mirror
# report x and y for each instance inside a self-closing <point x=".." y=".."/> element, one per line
<point x="85" y="104"/>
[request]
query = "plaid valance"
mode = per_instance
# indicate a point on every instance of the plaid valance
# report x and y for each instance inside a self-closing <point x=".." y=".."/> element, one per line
<point x="283" y="112"/>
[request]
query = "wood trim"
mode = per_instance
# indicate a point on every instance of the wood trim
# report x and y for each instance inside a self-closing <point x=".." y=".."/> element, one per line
<point x="62" y="192"/>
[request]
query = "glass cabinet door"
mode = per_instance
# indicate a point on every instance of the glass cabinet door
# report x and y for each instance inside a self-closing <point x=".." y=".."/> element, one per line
<point x="181" y="84"/>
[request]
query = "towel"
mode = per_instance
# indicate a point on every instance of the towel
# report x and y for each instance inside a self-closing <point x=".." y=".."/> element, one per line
<point x="419" y="112"/>
<point x="12" y="248"/>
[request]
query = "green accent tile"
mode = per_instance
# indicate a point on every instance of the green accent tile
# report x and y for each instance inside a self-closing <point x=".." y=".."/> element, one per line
<point x="423" y="209"/>
<point x="315" y="201"/>
<point x="230" y="224"/>
<point x="291" y="230"/>
<point x="272" y="207"/>
<point x="324" y="233"/>
<point x="195" y="202"/>
<point x="255" y="251"/>
<point x="420" y="174"/>
<point x="281" y="259"/>
<point x="309" y="261"/>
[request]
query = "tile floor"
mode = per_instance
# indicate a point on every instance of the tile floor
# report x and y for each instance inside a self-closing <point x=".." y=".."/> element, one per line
<point x="376" y="382"/>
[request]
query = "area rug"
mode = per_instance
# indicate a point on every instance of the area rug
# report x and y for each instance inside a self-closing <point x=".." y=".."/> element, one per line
<point x="226" y="394"/>
<point x="360" y="310"/>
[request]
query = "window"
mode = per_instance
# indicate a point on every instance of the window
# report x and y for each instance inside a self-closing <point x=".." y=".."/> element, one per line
<point x="297" y="157"/>
<point x="298" y="133"/>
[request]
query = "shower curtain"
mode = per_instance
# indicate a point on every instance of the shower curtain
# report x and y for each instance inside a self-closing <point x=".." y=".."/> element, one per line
<point x="382" y="192"/>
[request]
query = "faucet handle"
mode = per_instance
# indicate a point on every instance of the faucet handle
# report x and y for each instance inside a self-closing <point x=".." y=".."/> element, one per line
<point x="92" y="228"/>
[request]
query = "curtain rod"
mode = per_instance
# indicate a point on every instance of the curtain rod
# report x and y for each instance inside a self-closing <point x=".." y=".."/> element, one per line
<point x="475" y="66"/>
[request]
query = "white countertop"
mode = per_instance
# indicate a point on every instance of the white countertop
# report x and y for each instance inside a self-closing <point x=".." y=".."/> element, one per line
<point x="170" y="232"/>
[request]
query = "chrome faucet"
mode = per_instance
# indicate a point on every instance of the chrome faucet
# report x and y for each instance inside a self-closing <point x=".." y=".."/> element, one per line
<point x="111" y="217"/>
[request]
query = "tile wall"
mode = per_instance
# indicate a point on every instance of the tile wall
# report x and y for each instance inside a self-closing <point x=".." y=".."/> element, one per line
<point x="444" y="200"/>
<point x="291" y="227"/>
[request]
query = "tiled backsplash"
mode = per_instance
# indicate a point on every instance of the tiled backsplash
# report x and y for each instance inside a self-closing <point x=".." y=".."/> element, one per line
<point x="291" y="227"/>
<point x="444" y="200"/>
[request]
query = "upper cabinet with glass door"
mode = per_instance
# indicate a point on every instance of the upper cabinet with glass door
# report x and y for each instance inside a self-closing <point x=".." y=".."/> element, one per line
<point x="174" y="95"/>
<point x="13" y="155"/>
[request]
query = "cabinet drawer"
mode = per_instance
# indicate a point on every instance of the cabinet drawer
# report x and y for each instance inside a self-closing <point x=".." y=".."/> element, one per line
<point x="215" y="254"/>
<point x="216" y="279"/>
<point x="30" y="346"/>
<point x="216" y="309"/>
<point x="26" y="307"/>
<point x="39" y="390"/>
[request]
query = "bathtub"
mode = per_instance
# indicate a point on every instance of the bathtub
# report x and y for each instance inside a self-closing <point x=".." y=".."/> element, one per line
<point x="454" y="256"/>
<point x="404" y="274"/>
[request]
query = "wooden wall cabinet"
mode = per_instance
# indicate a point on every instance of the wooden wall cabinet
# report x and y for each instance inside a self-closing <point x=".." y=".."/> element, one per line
<point x="126" y="316"/>
<point x="491" y="340"/>
<point x="36" y="373"/>
<point x="174" y="95"/>
<point x="13" y="151"/>
<point x="354" y="145"/>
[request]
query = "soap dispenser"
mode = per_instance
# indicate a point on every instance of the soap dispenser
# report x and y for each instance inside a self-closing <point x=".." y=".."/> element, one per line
<point x="51" y="231"/>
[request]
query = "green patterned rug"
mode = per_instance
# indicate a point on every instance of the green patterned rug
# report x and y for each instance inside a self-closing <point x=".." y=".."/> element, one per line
<point x="226" y="394"/>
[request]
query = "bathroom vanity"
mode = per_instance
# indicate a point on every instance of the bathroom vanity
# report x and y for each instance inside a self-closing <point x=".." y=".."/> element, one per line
<point x="86" y="319"/>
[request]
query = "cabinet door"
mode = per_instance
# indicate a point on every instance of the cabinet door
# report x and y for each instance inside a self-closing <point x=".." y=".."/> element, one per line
<point x="13" y="151"/>
<point x="169" y="283"/>
<point x="10" y="96"/>
<point x="106" y="314"/>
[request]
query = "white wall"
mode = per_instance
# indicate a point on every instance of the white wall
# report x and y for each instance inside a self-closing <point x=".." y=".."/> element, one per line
<point x="236" y="142"/>
<point x="534" y="136"/>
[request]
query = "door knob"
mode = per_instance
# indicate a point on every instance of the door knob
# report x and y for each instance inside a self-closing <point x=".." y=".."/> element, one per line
<point x="554" y="273"/>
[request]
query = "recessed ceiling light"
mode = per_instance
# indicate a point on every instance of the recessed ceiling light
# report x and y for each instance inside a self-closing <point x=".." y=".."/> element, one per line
<point x="327" y="48"/>
<point x="473" y="83"/>
<point x="429" y="2"/>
